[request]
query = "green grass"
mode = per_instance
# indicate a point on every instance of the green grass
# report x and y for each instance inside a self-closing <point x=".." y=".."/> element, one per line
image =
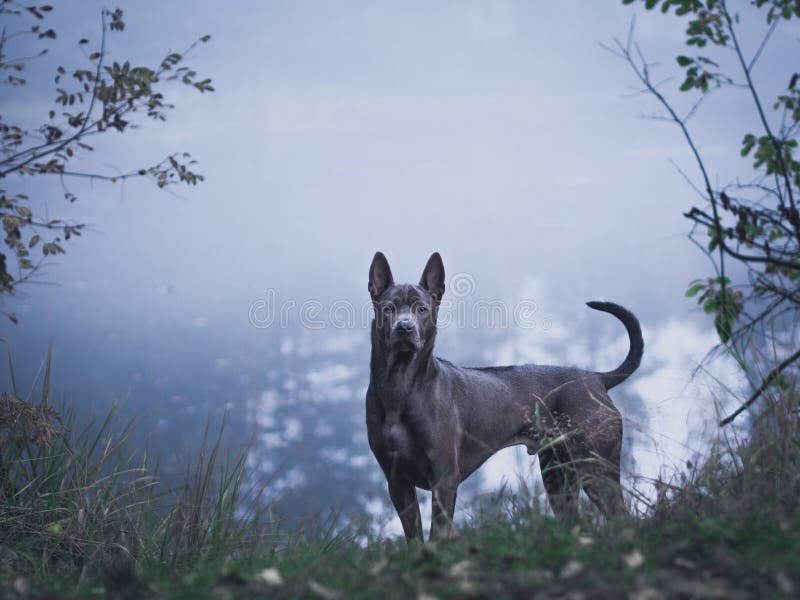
<point x="690" y="556"/>
<point x="78" y="506"/>
<point x="82" y="517"/>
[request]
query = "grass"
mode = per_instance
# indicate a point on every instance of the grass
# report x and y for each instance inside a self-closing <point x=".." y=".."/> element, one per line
<point x="81" y="518"/>
<point x="77" y="505"/>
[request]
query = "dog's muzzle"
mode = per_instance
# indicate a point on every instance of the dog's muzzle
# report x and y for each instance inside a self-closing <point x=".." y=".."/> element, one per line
<point x="404" y="336"/>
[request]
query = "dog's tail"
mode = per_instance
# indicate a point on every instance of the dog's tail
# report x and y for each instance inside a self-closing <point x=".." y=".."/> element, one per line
<point x="634" y="358"/>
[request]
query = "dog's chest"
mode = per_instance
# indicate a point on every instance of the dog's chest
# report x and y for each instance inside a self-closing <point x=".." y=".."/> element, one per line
<point x="405" y="450"/>
<point x="399" y="439"/>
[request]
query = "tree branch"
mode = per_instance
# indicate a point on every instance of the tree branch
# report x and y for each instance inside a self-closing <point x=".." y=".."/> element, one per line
<point x="644" y="78"/>
<point x="761" y="115"/>
<point x="761" y="388"/>
<point x="97" y="74"/>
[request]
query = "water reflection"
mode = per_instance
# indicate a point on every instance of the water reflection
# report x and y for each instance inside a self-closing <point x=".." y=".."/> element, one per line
<point x="296" y="397"/>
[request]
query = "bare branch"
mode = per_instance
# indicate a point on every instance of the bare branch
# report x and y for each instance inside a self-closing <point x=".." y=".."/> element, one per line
<point x="768" y="380"/>
<point x="641" y="70"/>
<point x="763" y="45"/>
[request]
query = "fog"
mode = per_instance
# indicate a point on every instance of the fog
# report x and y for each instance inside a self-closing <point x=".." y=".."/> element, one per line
<point x="500" y="134"/>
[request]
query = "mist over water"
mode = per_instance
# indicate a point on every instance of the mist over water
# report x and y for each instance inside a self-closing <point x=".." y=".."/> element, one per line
<point x="294" y="392"/>
<point x="497" y="134"/>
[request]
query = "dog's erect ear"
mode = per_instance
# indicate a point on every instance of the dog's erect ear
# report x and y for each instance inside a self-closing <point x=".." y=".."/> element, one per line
<point x="380" y="276"/>
<point x="433" y="277"/>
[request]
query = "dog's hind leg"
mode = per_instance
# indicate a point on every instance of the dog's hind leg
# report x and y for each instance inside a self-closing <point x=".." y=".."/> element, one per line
<point x="561" y="484"/>
<point x="600" y="472"/>
<point x="601" y="482"/>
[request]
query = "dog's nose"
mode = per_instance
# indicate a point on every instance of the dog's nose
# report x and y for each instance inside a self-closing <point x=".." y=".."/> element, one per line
<point x="405" y="325"/>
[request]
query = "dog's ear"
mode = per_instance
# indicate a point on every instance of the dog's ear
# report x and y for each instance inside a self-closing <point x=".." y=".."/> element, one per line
<point x="380" y="276"/>
<point x="433" y="277"/>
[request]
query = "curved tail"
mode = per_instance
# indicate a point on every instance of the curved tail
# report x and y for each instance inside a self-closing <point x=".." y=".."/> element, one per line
<point x="634" y="358"/>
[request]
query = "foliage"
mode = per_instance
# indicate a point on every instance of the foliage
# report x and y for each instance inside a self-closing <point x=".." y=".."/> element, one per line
<point x="98" y="99"/>
<point x="752" y="222"/>
<point x="729" y="528"/>
<point x="76" y="500"/>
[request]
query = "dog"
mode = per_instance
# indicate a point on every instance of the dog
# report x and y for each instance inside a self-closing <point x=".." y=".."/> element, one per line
<point x="431" y="424"/>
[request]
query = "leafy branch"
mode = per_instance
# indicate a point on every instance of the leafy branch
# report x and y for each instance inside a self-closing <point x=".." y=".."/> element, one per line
<point x="89" y="102"/>
<point x="754" y="223"/>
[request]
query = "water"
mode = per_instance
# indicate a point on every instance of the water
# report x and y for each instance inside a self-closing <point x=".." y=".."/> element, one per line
<point x="294" y="394"/>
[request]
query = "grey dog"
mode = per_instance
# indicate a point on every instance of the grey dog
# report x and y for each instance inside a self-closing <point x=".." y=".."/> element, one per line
<point x="431" y="424"/>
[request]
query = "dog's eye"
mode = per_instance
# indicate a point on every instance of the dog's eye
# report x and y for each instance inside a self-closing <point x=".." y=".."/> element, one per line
<point x="422" y="309"/>
<point x="389" y="308"/>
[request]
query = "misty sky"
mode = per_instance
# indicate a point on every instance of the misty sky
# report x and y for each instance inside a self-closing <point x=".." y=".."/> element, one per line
<point x="499" y="133"/>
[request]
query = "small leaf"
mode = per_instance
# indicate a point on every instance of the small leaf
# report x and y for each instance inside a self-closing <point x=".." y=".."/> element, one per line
<point x="684" y="61"/>
<point x="747" y="144"/>
<point x="723" y="325"/>
<point x="694" y="290"/>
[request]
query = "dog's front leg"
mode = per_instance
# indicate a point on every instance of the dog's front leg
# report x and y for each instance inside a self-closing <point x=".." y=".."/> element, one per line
<point x="404" y="498"/>
<point x="443" y="507"/>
